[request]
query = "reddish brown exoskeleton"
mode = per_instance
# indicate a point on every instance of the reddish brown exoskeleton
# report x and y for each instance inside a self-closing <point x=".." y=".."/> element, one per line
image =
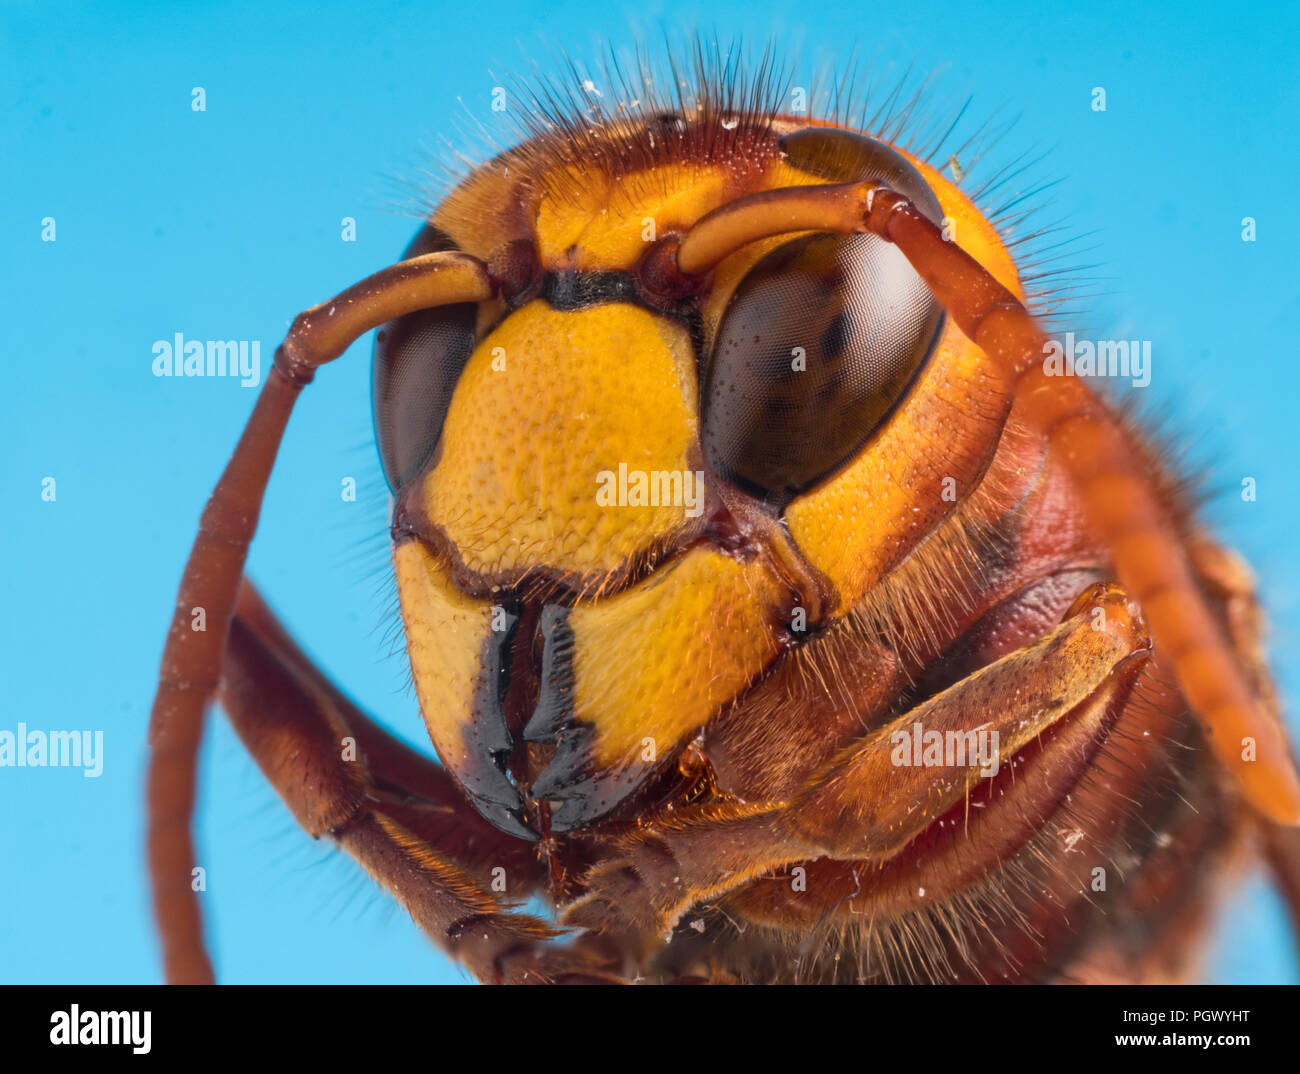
<point x="774" y="610"/>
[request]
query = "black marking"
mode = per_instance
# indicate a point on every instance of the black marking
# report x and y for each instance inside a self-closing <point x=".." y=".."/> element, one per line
<point x="571" y="290"/>
<point x="489" y="717"/>
<point x="554" y="710"/>
<point x="553" y="721"/>
<point x="570" y="766"/>
<point x="578" y="290"/>
<point x="509" y="820"/>
<point x="488" y="742"/>
<point x="580" y="792"/>
<point x="591" y="799"/>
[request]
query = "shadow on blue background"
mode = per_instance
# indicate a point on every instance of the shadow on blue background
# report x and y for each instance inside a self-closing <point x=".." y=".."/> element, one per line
<point x="223" y="224"/>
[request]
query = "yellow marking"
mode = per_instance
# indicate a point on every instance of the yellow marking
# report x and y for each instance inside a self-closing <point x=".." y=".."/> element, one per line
<point x="446" y="633"/>
<point x="606" y="228"/>
<point x="524" y="446"/>
<point x="660" y="660"/>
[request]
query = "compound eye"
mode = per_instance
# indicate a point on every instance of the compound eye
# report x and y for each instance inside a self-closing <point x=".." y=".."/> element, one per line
<point x="821" y="338"/>
<point x="417" y="361"/>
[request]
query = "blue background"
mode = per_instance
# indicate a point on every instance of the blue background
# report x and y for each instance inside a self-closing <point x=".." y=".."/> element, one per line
<point x="223" y="224"/>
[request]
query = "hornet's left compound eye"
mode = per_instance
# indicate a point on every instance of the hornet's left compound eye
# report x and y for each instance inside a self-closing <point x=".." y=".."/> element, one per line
<point x="821" y="338"/>
<point x="418" y="360"/>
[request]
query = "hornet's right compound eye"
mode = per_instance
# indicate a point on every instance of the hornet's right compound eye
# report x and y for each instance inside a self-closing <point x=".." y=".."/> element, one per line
<point x="418" y="360"/>
<point x="822" y="337"/>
